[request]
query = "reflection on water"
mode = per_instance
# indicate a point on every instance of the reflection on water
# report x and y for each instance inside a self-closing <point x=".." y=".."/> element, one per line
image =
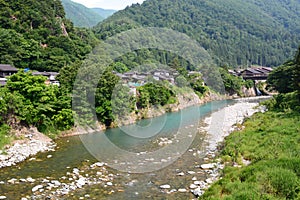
<point x="135" y="138"/>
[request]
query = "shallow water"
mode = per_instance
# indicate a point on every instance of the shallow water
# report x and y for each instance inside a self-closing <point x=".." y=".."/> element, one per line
<point x="143" y="136"/>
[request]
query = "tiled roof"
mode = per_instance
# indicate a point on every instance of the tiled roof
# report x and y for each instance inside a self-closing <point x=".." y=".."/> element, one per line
<point x="6" y="68"/>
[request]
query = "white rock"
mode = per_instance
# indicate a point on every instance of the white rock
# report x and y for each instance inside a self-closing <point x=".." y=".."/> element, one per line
<point x="208" y="166"/>
<point x="12" y="181"/>
<point x="173" y="190"/>
<point x="56" y="183"/>
<point x="165" y="186"/>
<point x="191" y="172"/>
<point x="36" y="188"/>
<point x="99" y="164"/>
<point x="30" y="180"/>
<point x="76" y="171"/>
<point x="81" y="182"/>
<point x="198" y="182"/>
<point x="109" y="183"/>
<point x="2" y="197"/>
<point x="180" y="174"/>
<point x="192" y="186"/>
<point x="182" y="190"/>
<point x="209" y="181"/>
<point x="3" y="157"/>
<point x="198" y="192"/>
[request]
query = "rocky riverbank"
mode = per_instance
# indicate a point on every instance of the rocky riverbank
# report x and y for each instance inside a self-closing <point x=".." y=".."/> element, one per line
<point x="31" y="143"/>
<point x="219" y="125"/>
<point x="189" y="177"/>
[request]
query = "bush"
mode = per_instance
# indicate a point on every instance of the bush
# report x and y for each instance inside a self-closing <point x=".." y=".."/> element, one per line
<point x="283" y="102"/>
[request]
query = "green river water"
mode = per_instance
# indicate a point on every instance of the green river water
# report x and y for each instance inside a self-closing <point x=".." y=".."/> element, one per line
<point x="72" y="153"/>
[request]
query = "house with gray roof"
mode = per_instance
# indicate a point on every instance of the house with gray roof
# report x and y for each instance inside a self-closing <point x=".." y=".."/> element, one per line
<point x="7" y="70"/>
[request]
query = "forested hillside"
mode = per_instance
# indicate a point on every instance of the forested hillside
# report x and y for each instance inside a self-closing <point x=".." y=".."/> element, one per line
<point x="36" y="35"/>
<point x="235" y="32"/>
<point x="105" y="13"/>
<point x="80" y="15"/>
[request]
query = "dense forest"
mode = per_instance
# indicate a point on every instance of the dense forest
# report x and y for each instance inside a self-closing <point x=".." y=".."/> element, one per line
<point x="82" y="16"/>
<point x="36" y="35"/>
<point x="270" y="142"/>
<point x="234" y="32"/>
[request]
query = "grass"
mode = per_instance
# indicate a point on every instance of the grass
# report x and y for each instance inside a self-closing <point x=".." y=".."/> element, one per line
<point x="4" y="136"/>
<point x="271" y="141"/>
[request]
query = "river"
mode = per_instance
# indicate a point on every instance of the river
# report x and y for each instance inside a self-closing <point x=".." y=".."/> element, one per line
<point x="128" y="181"/>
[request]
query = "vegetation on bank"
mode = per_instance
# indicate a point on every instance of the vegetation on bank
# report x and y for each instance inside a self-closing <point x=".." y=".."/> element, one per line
<point x="36" y="35"/>
<point x="271" y="142"/>
<point x="27" y="101"/>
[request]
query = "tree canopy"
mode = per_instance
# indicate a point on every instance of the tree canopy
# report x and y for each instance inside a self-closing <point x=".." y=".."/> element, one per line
<point x="234" y="32"/>
<point x="36" y="34"/>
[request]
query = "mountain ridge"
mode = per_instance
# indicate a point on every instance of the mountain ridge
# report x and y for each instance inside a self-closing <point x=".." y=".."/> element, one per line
<point x="235" y="32"/>
<point x="82" y="16"/>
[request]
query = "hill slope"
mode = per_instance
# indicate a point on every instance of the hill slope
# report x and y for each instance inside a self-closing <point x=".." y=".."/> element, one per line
<point x="103" y="12"/>
<point x="36" y="35"/>
<point x="80" y="15"/>
<point x="235" y="32"/>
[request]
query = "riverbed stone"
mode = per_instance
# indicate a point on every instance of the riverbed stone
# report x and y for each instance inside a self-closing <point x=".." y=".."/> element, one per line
<point x="81" y="182"/>
<point x="36" y="188"/>
<point x="193" y="186"/>
<point x="109" y="183"/>
<point x="3" y="197"/>
<point x="209" y="181"/>
<point x="165" y="186"/>
<point x="198" y="192"/>
<point x="56" y="183"/>
<point x="182" y="190"/>
<point x="30" y="180"/>
<point x="180" y="174"/>
<point x="208" y="166"/>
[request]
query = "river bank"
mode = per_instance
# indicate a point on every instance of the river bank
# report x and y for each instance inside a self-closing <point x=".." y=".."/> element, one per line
<point x="262" y="160"/>
<point x="183" y="101"/>
<point x="188" y="170"/>
<point x="220" y="125"/>
<point x="30" y="142"/>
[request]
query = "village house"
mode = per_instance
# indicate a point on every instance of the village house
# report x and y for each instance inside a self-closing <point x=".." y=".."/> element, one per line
<point x="7" y="70"/>
<point x="253" y="73"/>
<point x="51" y="77"/>
<point x="256" y="73"/>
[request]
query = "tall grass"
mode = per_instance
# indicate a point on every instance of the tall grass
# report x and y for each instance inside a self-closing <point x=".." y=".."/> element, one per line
<point x="5" y="138"/>
<point x="271" y="141"/>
